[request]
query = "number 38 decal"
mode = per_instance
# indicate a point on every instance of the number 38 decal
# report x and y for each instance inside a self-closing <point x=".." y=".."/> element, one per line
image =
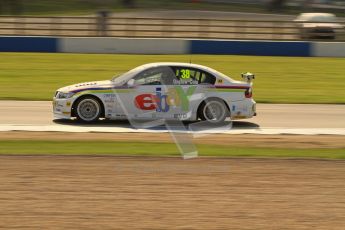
<point x="185" y="73"/>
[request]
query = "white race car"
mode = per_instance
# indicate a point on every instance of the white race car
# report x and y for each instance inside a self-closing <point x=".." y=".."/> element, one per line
<point x="171" y="91"/>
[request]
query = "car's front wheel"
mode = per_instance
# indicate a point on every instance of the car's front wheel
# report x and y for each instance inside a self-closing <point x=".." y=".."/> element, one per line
<point x="214" y="111"/>
<point x="88" y="109"/>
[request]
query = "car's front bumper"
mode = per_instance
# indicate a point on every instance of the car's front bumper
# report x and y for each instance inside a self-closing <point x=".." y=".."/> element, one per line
<point x="62" y="108"/>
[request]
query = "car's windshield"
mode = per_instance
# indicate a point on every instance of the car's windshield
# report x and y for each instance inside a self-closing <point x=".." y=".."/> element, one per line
<point x="118" y="77"/>
<point x="124" y="77"/>
<point x="323" y="18"/>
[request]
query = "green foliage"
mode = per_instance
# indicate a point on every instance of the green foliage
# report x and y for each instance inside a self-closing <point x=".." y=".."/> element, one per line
<point x="154" y="149"/>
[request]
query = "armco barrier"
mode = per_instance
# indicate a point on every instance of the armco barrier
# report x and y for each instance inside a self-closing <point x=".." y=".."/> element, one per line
<point x="263" y="48"/>
<point x="28" y="44"/>
<point x="123" y="45"/>
<point x="328" y="49"/>
<point x="171" y="46"/>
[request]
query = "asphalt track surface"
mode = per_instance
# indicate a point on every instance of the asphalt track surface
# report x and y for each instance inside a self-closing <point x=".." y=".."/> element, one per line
<point x="275" y="116"/>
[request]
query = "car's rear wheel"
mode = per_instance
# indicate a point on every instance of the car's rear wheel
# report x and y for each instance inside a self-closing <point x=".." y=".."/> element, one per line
<point x="214" y="111"/>
<point x="88" y="109"/>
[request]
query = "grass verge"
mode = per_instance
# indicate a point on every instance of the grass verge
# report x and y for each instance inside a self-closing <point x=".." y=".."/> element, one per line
<point x="36" y="76"/>
<point x="154" y="149"/>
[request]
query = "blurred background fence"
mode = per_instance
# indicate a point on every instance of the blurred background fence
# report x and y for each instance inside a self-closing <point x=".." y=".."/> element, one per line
<point x="154" y="27"/>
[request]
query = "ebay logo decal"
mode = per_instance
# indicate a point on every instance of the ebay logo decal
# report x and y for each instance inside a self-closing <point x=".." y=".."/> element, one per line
<point x="160" y="102"/>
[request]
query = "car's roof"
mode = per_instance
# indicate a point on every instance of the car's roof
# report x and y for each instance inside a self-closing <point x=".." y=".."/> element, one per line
<point x="184" y="64"/>
<point x="317" y="14"/>
<point x="308" y="16"/>
<point x="190" y="65"/>
<point x="155" y="64"/>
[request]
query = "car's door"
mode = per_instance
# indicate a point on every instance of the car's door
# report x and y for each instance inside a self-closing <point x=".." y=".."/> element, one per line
<point x="148" y="98"/>
<point x="188" y="90"/>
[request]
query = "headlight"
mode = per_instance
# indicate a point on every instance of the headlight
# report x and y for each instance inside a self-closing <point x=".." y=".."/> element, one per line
<point x="61" y="95"/>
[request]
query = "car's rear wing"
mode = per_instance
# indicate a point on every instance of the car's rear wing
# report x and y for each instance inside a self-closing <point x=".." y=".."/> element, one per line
<point x="248" y="77"/>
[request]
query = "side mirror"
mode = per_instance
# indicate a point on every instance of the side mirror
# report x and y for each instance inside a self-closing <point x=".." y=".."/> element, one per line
<point x="248" y="77"/>
<point x="130" y="83"/>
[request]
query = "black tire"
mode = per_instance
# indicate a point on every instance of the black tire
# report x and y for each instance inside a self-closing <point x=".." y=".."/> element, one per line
<point x="213" y="111"/>
<point x="88" y="109"/>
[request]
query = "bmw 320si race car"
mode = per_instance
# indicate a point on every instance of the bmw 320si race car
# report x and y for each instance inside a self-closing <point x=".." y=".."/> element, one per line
<point x="171" y="91"/>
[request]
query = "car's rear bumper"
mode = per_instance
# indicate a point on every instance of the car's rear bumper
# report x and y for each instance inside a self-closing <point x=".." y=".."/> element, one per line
<point x="243" y="109"/>
<point x="322" y="35"/>
<point x="320" y="32"/>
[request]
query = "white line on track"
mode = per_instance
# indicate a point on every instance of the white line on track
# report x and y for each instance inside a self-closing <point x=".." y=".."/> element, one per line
<point x="82" y="129"/>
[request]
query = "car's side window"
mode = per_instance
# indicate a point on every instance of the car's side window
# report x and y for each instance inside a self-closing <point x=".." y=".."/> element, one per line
<point x="186" y="75"/>
<point x="155" y="76"/>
